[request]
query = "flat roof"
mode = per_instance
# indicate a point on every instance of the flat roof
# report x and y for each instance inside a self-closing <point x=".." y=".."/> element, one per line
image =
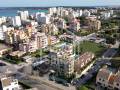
<point x="3" y="46"/>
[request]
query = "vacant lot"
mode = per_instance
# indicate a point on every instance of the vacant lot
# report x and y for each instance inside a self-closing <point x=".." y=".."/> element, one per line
<point x="85" y="46"/>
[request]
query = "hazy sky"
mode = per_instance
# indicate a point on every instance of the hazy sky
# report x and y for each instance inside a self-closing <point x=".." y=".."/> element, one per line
<point x="11" y="3"/>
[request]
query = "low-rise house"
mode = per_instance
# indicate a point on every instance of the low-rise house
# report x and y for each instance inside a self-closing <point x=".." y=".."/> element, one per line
<point x="83" y="60"/>
<point x="28" y="59"/>
<point x="108" y="79"/>
<point x="103" y="77"/>
<point x="17" y="53"/>
<point x="8" y="83"/>
<point x="4" y="49"/>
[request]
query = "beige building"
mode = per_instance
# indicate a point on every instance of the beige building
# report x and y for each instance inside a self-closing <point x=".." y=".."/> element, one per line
<point x="93" y="23"/>
<point x="52" y="40"/>
<point x="64" y="66"/>
<point x="108" y="79"/>
<point x="4" y="49"/>
<point x="63" y="61"/>
<point x="8" y="83"/>
<point x="83" y="60"/>
<point x="42" y="40"/>
<point x="30" y="46"/>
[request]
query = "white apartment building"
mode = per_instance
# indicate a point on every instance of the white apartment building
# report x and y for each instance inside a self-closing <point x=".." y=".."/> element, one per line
<point x="2" y="20"/>
<point x="3" y="29"/>
<point x="16" y="21"/>
<point x="7" y="83"/>
<point x="23" y="15"/>
<point x="61" y="24"/>
<point x="52" y="10"/>
<point x="42" y="18"/>
<point x="86" y="13"/>
<point x="105" y="15"/>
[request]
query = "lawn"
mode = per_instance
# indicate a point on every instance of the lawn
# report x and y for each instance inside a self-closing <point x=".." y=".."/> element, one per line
<point x="82" y="88"/>
<point x="85" y="46"/>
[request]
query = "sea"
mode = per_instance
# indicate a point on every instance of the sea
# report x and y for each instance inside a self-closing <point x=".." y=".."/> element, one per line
<point x="13" y="12"/>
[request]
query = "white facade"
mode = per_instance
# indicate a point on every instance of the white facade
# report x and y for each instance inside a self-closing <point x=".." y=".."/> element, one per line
<point x="23" y="15"/>
<point x="3" y="29"/>
<point x="9" y="84"/>
<point x="52" y="10"/>
<point x="16" y="21"/>
<point x="105" y="15"/>
<point x="42" y="18"/>
<point x="1" y="34"/>
<point x="86" y="13"/>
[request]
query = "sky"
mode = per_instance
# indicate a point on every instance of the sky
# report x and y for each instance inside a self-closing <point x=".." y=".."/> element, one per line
<point x="41" y="3"/>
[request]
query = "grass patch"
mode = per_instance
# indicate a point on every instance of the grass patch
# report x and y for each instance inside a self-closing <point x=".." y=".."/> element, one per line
<point x="82" y="88"/>
<point x="87" y="46"/>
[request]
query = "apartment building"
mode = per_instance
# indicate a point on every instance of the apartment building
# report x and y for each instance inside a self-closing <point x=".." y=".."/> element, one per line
<point x="52" y="40"/>
<point x="63" y="65"/>
<point x="93" y="23"/>
<point x="29" y="46"/>
<point x="42" y="40"/>
<point x="63" y="61"/>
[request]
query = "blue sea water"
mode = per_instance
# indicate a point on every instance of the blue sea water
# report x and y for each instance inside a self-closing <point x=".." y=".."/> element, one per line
<point x="13" y="12"/>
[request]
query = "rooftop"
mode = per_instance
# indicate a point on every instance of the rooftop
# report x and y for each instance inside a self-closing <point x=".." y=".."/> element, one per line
<point x="3" y="46"/>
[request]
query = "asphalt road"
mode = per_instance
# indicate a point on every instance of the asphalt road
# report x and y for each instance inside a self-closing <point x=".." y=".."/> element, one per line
<point x="94" y="69"/>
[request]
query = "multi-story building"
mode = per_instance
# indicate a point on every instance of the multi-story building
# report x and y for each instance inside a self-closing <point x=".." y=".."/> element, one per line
<point x="23" y="15"/>
<point x="93" y="23"/>
<point x="14" y="36"/>
<point x="105" y="15"/>
<point x="4" y="49"/>
<point x="52" y="40"/>
<point x="42" y="40"/>
<point x="86" y="13"/>
<point x="43" y="18"/>
<point x="75" y="25"/>
<point x="29" y="46"/>
<point x="51" y="29"/>
<point x="108" y="79"/>
<point x="61" y="24"/>
<point x="3" y="29"/>
<point x="3" y="20"/>
<point x="8" y="83"/>
<point x="62" y="61"/>
<point x="16" y="21"/>
<point x="52" y="10"/>
<point x="63" y="65"/>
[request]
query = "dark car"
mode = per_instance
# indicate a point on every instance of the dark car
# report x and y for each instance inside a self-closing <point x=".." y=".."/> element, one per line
<point x="2" y="64"/>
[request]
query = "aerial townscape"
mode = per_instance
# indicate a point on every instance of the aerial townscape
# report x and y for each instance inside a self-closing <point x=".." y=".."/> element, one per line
<point x="60" y="48"/>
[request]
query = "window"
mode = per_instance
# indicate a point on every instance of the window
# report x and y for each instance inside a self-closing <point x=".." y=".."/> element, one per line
<point x="117" y="84"/>
<point x="100" y="79"/>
